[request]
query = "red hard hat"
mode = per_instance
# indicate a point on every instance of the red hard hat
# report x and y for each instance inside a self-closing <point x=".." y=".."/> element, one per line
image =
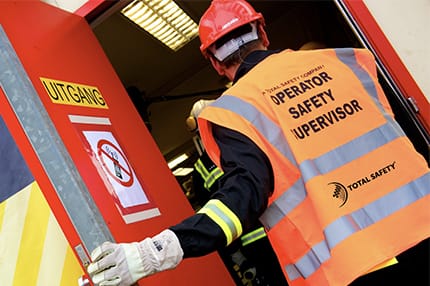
<point x="224" y="16"/>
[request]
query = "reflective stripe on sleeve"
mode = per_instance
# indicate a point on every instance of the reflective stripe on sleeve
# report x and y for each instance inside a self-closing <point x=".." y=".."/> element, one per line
<point x="200" y="167"/>
<point x="252" y="236"/>
<point x="213" y="176"/>
<point x="224" y="218"/>
<point x="209" y="178"/>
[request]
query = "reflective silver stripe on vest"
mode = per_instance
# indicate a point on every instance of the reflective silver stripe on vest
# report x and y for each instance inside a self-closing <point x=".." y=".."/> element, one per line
<point x="309" y="263"/>
<point x="260" y="121"/>
<point x="349" y="151"/>
<point x="271" y="131"/>
<point x="347" y="56"/>
<point x="379" y="136"/>
<point x="309" y="168"/>
<point x="288" y="201"/>
<point x="347" y="225"/>
<point x="323" y="165"/>
<point x="341" y="155"/>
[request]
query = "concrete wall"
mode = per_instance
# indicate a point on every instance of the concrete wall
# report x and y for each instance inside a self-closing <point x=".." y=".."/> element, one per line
<point x="68" y="5"/>
<point x="405" y="24"/>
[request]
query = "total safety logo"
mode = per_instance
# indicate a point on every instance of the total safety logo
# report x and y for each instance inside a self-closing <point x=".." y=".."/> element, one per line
<point x="340" y="192"/>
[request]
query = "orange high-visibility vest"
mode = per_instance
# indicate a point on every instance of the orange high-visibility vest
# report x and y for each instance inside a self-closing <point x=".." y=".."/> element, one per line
<point x="350" y="190"/>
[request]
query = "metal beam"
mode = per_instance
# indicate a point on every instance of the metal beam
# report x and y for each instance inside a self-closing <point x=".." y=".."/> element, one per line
<point x="53" y="155"/>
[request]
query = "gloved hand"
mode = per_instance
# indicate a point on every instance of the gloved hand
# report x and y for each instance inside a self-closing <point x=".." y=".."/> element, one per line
<point x="124" y="263"/>
<point x="198" y="106"/>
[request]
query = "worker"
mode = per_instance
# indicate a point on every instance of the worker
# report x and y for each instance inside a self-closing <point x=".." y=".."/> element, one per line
<point x="206" y="174"/>
<point x="312" y="45"/>
<point x="308" y="146"/>
<point x="250" y="259"/>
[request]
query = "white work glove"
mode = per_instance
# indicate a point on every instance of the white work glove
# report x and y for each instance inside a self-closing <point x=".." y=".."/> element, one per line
<point x="198" y="107"/>
<point x="124" y="263"/>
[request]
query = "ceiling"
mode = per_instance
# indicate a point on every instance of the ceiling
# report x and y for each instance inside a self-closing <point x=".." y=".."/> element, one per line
<point x="165" y="84"/>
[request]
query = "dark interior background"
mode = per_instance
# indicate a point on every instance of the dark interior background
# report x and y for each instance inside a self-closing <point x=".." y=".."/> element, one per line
<point x="164" y="84"/>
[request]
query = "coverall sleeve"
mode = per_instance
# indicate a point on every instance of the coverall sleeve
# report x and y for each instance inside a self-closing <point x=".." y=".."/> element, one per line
<point x="245" y="188"/>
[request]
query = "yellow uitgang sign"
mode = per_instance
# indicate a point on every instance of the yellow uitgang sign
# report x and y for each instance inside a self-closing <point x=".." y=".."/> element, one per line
<point x="62" y="92"/>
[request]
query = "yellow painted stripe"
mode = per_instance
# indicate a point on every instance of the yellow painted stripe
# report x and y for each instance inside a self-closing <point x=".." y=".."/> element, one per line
<point x="33" y="249"/>
<point x="2" y="210"/>
<point x="72" y="269"/>
<point x="10" y="235"/>
<point x="54" y="253"/>
<point x="34" y="232"/>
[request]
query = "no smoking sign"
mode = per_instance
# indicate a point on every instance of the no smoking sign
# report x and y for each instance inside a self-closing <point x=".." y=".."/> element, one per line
<point x="117" y="168"/>
<point x="115" y="163"/>
<point x="114" y="168"/>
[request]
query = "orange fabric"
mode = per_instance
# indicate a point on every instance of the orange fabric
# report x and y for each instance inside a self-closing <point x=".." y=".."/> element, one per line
<point x="364" y="253"/>
<point x="367" y="63"/>
<point x="315" y="90"/>
<point x="375" y="188"/>
<point x="284" y="181"/>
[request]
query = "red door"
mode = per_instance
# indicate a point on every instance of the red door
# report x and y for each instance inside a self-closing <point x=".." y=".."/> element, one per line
<point x="82" y="138"/>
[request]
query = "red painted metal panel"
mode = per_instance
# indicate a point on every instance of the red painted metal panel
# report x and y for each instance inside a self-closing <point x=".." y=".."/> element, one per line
<point x="93" y="8"/>
<point x="89" y="7"/>
<point x="53" y="44"/>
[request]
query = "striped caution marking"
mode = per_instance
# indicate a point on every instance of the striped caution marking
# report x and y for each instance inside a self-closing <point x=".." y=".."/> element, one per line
<point x="33" y="249"/>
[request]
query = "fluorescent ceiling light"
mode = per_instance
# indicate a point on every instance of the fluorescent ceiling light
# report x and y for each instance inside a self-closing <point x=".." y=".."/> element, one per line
<point x="163" y="19"/>
<point x="176" y="161"/>
<point x="182" y="171"/>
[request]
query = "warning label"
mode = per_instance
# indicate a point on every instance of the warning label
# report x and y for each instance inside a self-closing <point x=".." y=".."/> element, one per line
<point x="62" y="92"/>
<point x="115" y="163"/>
<point x="121" y="181"/>
<point x="117" y="168"/>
